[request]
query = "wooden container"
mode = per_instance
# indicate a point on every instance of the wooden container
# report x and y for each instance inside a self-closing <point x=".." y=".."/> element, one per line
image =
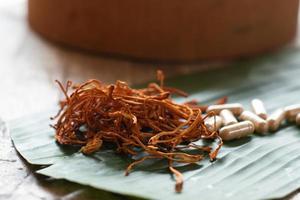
<point x="172" y="30"/>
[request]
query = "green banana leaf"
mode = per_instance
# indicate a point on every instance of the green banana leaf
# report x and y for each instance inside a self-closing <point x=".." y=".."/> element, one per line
<point x="257" y="167"/>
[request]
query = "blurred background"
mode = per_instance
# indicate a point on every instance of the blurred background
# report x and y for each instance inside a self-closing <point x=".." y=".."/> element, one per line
<point x="75" y="40"/>
<point x="119" y="40"/>
<point x="30" y="64"/>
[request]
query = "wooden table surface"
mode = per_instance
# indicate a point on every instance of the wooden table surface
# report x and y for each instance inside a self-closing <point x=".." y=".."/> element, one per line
<point x="28" y="67"/>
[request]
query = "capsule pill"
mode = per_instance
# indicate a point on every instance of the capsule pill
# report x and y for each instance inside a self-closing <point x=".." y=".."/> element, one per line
<point x="276" y="119"/>
<point x="237" y="130"/>
<point x="259" y="108"/>
<point x="292" y="111"/>
<point x="228" y="117"/>
<point x="260" y="124"/>
<point x="235" y="108"/>
<point x="213" y="123"/>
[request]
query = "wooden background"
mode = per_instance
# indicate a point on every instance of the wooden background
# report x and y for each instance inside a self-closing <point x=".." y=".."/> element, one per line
<point x="28" y="67"/>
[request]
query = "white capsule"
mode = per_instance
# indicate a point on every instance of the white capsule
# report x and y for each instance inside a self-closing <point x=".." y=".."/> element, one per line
<point x="259" y="108"/>
<point x="235" y="108"/>
<point x="228" y="117"/>
<point x="213" y="123"/>
<point x="292" y="111"/>
<point x="275" y="119"/>
<point x="237" y="130"/>
<point x="298" y="119"/>
<point x="261" y="126"/>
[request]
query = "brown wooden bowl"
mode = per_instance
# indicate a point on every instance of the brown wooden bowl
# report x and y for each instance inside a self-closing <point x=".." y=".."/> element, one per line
<point x="172" y="30"/>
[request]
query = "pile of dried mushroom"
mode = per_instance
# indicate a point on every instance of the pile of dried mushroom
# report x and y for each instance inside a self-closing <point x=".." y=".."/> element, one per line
<point x="147" y="121"/>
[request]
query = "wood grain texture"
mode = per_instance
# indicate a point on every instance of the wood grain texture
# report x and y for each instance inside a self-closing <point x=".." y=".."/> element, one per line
<point x="169" y="29"/>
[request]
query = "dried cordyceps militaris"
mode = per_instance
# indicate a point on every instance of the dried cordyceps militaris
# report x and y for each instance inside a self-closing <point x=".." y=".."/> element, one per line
<point x="135" y="120"/>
